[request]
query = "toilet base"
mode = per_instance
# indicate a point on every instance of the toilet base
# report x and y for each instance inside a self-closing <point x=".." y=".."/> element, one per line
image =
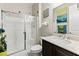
<point x="34" y="54"/>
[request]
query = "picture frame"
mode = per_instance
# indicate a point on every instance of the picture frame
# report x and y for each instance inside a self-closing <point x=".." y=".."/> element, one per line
<point x="62" y="18"/>
<point x="62" y="29"/>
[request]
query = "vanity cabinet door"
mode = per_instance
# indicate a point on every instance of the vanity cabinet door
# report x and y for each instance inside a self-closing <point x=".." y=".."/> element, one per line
<point x="62" y="52"/>
<point x="59" y="53"/>
<point x="48" y="49"/>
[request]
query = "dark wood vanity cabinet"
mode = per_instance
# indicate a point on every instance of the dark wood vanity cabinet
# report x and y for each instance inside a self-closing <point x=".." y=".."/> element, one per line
<point x="49" y="49"/>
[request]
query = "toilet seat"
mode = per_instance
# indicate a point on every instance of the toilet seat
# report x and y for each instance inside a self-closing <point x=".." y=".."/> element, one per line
<point x="36" y="48"/>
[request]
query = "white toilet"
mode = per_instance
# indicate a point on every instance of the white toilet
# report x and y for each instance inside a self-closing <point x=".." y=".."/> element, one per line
<point x="36" y="49"/>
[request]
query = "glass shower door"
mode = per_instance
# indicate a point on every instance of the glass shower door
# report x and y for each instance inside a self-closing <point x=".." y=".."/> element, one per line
<point x="14" y="28"/>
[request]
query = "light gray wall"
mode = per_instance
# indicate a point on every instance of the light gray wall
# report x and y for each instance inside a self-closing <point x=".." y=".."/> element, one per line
<point x="35" y="9"/>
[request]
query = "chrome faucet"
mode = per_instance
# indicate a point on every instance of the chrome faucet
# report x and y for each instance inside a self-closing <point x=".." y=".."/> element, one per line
<point x="64" y="36"/>
<point x="61" y="36"/>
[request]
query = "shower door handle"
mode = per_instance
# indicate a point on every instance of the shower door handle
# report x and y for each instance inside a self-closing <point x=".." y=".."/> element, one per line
<point x="24" y="40"/>
<point x="24" y="35"/>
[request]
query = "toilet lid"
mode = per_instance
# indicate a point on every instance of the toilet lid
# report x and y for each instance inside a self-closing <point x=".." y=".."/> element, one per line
<point x="36" y="47"/>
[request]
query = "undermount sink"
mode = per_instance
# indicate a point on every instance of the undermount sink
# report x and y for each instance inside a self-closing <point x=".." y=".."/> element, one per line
<point x="72" y="41"/>
<point x="66" y="41"/>
<point x="60" y="41"/>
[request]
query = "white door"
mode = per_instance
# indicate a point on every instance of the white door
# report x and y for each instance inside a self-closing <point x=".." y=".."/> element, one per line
<point x="14" y="28"/>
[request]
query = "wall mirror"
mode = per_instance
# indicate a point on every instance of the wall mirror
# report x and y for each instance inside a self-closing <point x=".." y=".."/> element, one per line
<point x="66" y="19"/>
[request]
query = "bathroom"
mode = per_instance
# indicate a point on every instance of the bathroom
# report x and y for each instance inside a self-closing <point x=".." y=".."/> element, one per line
<point x="39" y="29"/>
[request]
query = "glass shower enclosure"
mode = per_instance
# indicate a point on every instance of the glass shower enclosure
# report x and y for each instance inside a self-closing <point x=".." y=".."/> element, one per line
<point x="13" y="23"/>
<point x="21" y="31"/>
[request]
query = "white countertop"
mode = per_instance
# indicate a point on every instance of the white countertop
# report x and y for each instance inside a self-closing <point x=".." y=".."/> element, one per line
<point x="72" y="46"/>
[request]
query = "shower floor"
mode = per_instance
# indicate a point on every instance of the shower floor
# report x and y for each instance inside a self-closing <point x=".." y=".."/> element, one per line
<point x="22" y="53"/>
